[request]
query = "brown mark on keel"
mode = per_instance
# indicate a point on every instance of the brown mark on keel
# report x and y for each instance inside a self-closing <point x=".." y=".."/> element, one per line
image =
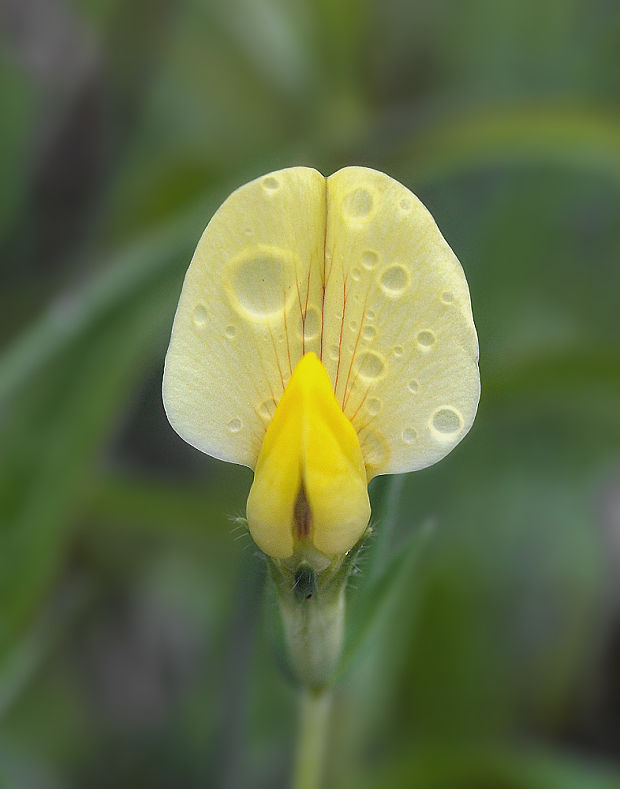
<point x="302" y="514"/>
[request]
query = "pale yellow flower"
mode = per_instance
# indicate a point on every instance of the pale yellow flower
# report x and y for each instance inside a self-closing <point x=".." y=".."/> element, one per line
<point x="324" y="335"/>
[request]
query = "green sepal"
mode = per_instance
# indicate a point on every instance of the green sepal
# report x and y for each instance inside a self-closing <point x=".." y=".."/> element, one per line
<point x="370" y="607"/>
<point x="312" y="608"/>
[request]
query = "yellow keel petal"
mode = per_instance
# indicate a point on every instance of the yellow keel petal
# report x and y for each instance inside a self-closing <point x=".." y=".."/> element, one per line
<point x="310" y="482"/>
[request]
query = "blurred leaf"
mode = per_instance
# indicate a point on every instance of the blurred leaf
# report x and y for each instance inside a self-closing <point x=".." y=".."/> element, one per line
<point x="385" y="492"/>
<point x="368" y="609"/>
<point x="28" y="655"/>
<point x="269" y="34"/>
<point x="51" y="458"/>
<point x="368" y="613"/>
<point x="18" y="104"/>
<point x="573" y="137"/>
<point x="126" y="501"/>
<point x="72" y="315"/>
<point x="495" y="768"/>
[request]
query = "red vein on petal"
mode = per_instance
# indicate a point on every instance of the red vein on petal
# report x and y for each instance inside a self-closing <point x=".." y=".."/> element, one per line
<point x="361" y="403"/>
<point x="275" y="350"/>
<point x="344" y="310"/>
<point x="288" y="347"/>
<point x="323" y="274"/>
<point x="357" y="341"/>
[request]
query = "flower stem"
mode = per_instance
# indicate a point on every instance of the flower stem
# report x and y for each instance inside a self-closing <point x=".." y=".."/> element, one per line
<point x="314" y="707"/>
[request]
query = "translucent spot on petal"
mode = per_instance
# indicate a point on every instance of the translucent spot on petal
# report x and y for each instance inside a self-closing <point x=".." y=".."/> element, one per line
<point x="230" y="332"/>
<point x="409" y="435"/>
<point x="353" y="325"/>
<point x="356" y="274"/>
<point x="405" y="204"/>
<point x="270" y="184"/>
<point x="447" y="421"/>
<point x="426" y="339"/>
<point x="373" y="406"/>
<point x="267" y="409"/>
<point x="375" y="450"/>
<point x="369" y="332"/>
<point x="310" y="327"/>
<point x="357" y="204"/>
<point x="199" y="316"/>
<point x="412" y="386"/>
<point x="370" y="315"/>
<point x="235" y="425"/>
<point x="395" y="280"/>
<point x="370" y="365"/>
<point x="334" y="353"/>
<point x="397" y="350"/>
<point x="369" y="259"/>
<point x="261" y="284"/>
<point x="447" y="297"/>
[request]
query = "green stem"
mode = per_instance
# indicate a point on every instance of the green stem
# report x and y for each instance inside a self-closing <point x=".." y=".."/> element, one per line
<point x="314" y="707"/>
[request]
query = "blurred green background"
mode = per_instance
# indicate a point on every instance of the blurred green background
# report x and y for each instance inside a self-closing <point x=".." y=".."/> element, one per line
<point x="137" y="642"/>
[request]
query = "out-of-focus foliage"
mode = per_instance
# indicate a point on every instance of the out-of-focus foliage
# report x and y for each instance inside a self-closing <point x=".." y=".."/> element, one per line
<point x="136" y="640"/>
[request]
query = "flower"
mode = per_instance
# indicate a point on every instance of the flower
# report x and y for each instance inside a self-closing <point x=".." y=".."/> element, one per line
<point x="324" y="335"/>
